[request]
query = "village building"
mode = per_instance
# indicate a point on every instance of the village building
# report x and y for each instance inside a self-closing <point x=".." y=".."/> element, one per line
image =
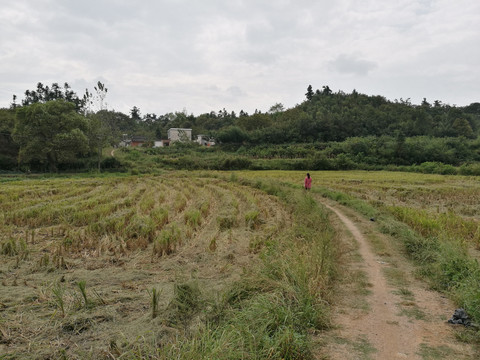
<point x="138" y="141"/>
<point x="179" y="134"/>
<point x="205" y="140"/>
<point x="183" y="135"/>
<point x="161" y="143"/>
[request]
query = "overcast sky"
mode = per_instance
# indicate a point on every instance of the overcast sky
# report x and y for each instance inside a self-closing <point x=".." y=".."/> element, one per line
<point x="202" y="55"/>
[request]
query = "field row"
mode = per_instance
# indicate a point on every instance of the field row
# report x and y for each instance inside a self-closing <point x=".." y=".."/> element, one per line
<point x="124" y="214"/>
<point x="86" y="254"/>
<point x="434" y="205"/>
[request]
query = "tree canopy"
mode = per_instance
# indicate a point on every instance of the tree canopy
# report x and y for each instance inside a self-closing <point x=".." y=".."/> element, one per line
<point x="53" y="126"/>
<point x="50" y="133"/>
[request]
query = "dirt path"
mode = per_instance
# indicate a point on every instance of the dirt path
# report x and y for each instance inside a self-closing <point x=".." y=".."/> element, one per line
<point x="397" y="318"/>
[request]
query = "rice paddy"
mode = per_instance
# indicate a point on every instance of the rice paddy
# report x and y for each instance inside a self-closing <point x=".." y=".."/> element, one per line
<point x="163" y="266"/>
<point x="107" y="266"/>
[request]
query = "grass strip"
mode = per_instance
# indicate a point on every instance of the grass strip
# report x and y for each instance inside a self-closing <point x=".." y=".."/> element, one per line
<point x="442" y="260"/>
<point x="272" y="311"/>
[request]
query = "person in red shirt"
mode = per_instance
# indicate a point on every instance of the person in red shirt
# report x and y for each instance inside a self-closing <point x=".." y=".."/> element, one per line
<point x="308" y="182"/>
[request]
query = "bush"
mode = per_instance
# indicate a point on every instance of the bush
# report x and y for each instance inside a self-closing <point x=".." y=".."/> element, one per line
<point x="470" y="169"/>
<point x="111" y="163"/>
<point x="233" y="163"/>
<point x="431" y="167"/>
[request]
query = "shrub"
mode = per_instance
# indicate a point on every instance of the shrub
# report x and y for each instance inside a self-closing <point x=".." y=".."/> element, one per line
<point x="470" y="169"/>
<point x="160" y="217"/>
<point x="226" y="222"/>
<point x="193" y="218"/>
<point x="252" y="219"/>
<point x="166" y="242"/>
<point x="141" y="227"/>
<point x="111" y="163"/>
<point x="185" y="303"/>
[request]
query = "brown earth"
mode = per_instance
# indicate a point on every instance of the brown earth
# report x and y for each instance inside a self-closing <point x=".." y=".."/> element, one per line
<point x="383" y="312"/>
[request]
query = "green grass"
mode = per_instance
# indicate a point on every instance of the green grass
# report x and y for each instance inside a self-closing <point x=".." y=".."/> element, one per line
<point x="438" y="352"/>
<point x="271" y="312"/>
<point x="252" y="218"/>
<point x="277" y="302"/>
<point x="433" y="223"/>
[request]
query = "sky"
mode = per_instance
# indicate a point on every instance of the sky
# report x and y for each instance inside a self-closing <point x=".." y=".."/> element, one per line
<point x="200" y="56"/>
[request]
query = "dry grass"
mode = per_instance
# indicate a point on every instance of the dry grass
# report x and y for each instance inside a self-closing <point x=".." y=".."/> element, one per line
<point x="76" y="265"/>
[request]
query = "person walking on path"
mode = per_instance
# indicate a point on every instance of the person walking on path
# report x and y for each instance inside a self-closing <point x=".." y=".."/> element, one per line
<point x="308" y="182"/>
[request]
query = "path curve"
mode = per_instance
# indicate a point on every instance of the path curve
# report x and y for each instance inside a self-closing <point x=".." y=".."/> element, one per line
<point x="392" y="334"/>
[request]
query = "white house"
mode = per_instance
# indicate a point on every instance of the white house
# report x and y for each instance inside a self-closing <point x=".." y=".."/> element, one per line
<point x="205" y="140"/>
<point x="202" y="140"/>
<point x="161" y="143"/>
<point x="179" y="134"/>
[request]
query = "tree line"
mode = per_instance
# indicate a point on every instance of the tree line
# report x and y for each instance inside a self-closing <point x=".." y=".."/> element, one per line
<point x="53" y="128"/>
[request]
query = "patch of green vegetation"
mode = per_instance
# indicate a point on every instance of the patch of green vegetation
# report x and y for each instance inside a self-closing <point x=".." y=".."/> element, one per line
<point x="412" y="311"/>
<point x="193" y="218"/>
<point x="468" y="335"/>
<point x="364" y="348"/>
<point x="358" y="205"/>
<point x="270" y="313"/>
<point x="167" y="240"/>
<point x="395" y="276"/>
<point x="404" y="293"/>
<point x="252" y="218"/>
<point x="226" y="222"/>
<point x="185" y="303"/>
<point x="434" y="353"/>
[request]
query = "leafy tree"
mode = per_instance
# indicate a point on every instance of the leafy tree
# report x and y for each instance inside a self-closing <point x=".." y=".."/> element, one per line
<point x="44" y="93"/>
<point x="8" y="148"/>
<point x="462" y="127"/>
<point x="135" y="114"/>
<point x="50" y="133"/>
<point x="309" y="93"/>
<point x="473" y="108"/>
<point x="232" y="135"/>
<point x="278" y="107"/>
<point x="254" y="122"/>
<point x="326" y="90"/>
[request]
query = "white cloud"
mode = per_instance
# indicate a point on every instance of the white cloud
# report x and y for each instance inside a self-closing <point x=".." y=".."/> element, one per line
<point x="350" y="64"/>
<point x="164" y="55"/>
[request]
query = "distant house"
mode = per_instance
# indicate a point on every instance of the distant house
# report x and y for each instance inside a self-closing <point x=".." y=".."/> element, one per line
<point x="125" y="143"/>
<point x="202" y="140"/>
<point x="205" y="140"/>
<point x="161" y="143"/>
<point x="179" y="134"/>
<point x="138" y="141"/>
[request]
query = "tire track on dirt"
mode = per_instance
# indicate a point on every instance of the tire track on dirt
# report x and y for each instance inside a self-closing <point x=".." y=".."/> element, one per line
<point x="384" y="328"/>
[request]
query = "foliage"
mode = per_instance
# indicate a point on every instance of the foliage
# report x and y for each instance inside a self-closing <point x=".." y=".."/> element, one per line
<point x="329" y="130"/>
<point x="44" y="94"/>
<point x="50" y="133"/>
<point x="8" y="147"/>
<point x="437" y="242"/>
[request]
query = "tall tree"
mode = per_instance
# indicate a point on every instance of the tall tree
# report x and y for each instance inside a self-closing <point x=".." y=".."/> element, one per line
<point x="278" y="107"/>
<point x="326" y="90"/>
<point x="135" y="114"/>
<point x="309" y="93"/>
<point x="45" y="93"/>
<point x="8" y="148"/>
<point x="50" y="133"/>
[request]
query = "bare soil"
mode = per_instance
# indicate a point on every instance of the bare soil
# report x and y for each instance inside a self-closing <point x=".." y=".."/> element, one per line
<point x="383" y="311"/>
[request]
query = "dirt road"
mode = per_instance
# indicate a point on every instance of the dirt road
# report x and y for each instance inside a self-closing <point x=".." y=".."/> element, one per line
<point x="383" y="312"/>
